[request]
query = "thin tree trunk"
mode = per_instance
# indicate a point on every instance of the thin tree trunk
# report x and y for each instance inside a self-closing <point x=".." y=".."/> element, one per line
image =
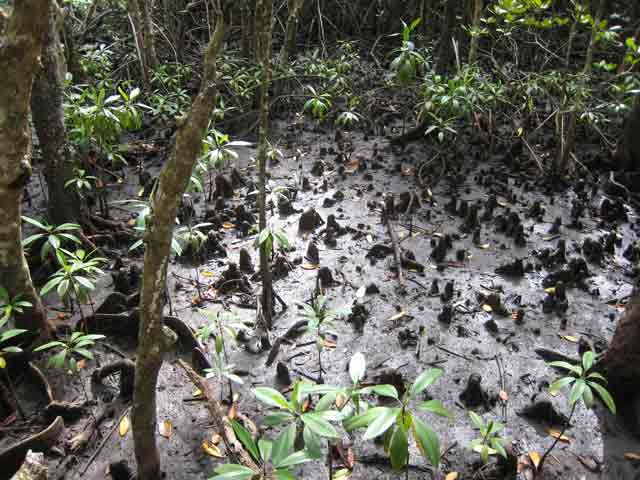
<point x="153" y="340"/>
<point x="475" y="23"/>
<point x="140" y="17"/>
<point x="264" y="11"/>
<point x="19" y="53"/>
<point x="445" y="49"/>
<point x="48" y="117"/>
<point x="289" y="45"/>
<point x="147" y="34"/>
<point x="594" y="34"/>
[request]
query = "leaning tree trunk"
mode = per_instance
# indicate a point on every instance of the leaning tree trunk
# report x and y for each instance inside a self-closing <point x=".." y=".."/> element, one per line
<point x="153" y="340"/>
<point x="264" y="10"/>
<point x="289" y="45"/>
<point x="20" y="50"/>
<point x="48" y="118"/>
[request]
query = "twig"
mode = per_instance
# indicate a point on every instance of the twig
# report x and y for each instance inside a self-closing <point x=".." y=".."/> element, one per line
<point x="104" y="441"/>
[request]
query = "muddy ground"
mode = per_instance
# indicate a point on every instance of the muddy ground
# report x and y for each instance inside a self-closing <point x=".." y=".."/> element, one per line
<point x="499" y="345"/>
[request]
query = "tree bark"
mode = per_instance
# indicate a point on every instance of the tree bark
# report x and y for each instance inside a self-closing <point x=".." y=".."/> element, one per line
<point x="164" y="203"/>
<point x="622" y="359"/>
<point x="140" y="15"/>
<point x="594" y="33"/>
<point x="289" y="45"/>
<point x="19" y="54"/>
<point x="475" y="23"/>
<point x="445" y="49"/>
<point x="48" y="117"/>
<point x="264" y="11"/>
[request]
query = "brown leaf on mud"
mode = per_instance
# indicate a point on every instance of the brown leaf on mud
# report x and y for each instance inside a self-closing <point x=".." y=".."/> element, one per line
<point x="504" y="396"/>
<point x="310" y="266"/>
<point x="557" y="434"/>
<point x="452" y="476"/>
<point x="632" y="457"/>
<point x="535" y="458"/>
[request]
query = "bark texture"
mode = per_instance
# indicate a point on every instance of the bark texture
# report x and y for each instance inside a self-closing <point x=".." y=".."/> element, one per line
<point x="48" y="117"/>
<point x="264" y="9"/>
<point x="164" y="202"/>
<point x="445" y="48"/>
<point x="289" y="46"/>
<point x="20" y="50"/>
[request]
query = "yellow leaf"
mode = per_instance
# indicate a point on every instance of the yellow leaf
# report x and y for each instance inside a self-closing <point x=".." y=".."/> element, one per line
<point x="451" y="476"/>
<point x="165" y="429"/>
<point x="207" y="273"/>
<point x="632" y="457"/>
<point x="504" y="396"/>
<point x="216" y="439"/>
<point x="340" y="400"/>
<point x="141" y="192"/>
<point x="228" y="225"/>
<point x="535" y="458"/>
<point x="197" y="393"/>
<point x="123" y="428"/>
<point x="569" y="338"/>
<point x="548" y="238"/>
<point x="551" y="290"/>
<point x="310" y="266"/>
<point x="484" y="246"/>
<point x="398" y="315"/>
<point x="487" y="308"/>
<point x="559" y="436"/>
<point x="3" y="363"/>
<point x="211" y="450"/>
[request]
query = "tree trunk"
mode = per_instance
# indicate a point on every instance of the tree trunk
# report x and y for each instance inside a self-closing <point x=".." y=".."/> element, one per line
<point x="140" y="17"/>
<point x="264" y="11"/>
<point x="622" y="359"/>
<point x="445" y="49"/>
<point x="153" y="340"/>
<point x="475" y="23"/>
<point x="289" y="45"/>
<point x="628" y="152"/>
<point x="19" y="53"/>
<point x="594" y="32"/>
<point x="48" y="117"/>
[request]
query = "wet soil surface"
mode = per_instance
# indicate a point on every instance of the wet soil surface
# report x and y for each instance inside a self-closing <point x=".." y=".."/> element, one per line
<point x="497" y="264"/>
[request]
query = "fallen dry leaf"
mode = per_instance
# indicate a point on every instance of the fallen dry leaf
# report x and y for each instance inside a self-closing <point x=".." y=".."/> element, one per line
<point x="165" y="429"/>
<point x="452" y="476"/>
<point x="211" y="450"/>
<point x="123" y="428"/>
<point x="233" y="411"/>
<point x="557" y="434"/>
<point x="310" y="266"/>
<point x="535" y="458"/>
<point x="504" y="396"/>
<point x="397" y="316"/>
<point x="340" y="400"/>
<point x="569" y="338"/>
<point x="216" y="439"/>
<point x="487" y="308"/>
<point x="550" y="290"/>
<point x="228" y="225"/>
<point x="632" y="456"/>
<point x="207" y="273"/>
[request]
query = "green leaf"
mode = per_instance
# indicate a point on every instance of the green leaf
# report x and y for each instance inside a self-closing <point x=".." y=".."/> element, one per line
<point x="84" y="352"/>
<point x="35" y="223"/>
<point x="265" y="447"/>
<point x="497" y="444"/>
<point x="364" y="419"/>
<point x="271" y="397"/>
<point x="312" y="442"/>
<point x="277" y="418"/>
<point x="476" y="419"/>
<point x="598" y="376"/>
<point x="357" y="367"/>
<point x="48" y="346"/>
<point x="577" y="390"/>
<point x="424" y="380"/>
<point x="566" y="366"/>
<point x="232" y="472"/>
<point x="382" y="423"/>
<point x="11" y="334"/>
<point x="245" y="437"/>
<point x="382" y="390"/>
<point x="587" y="360"/>
<point x="283" y="445"/>
<point x="559" y="384"/>
<point x="294" y="459"/>
<point x="399" y="448"/>
<point x="50" y="285"/>
<point x="58" y="359"/>
<point x="427" y="441"/>
<point x="587" y="397"/>
<point x="434" y="406"/>
<point x="604" y="394"/>
<point x="319" y="425"/>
